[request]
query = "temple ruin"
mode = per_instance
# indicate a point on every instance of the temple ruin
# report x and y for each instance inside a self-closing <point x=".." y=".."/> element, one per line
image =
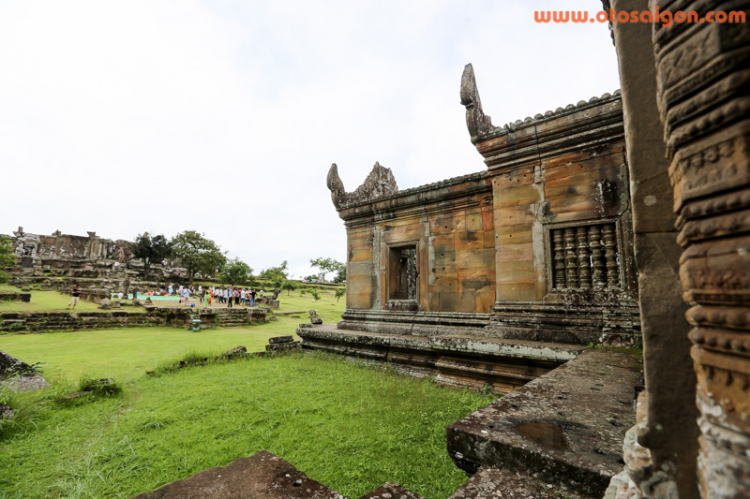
<point x="618" y="221"/>
<point x="498" y="278"/>
<point x="100" y="266"/>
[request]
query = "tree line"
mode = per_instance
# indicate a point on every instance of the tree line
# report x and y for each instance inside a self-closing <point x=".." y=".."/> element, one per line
<point x="200" y="255"/>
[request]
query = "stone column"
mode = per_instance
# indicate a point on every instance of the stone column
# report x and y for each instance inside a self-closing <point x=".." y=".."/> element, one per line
<point x="671" y="431"/>
<point x="703" y="95"/>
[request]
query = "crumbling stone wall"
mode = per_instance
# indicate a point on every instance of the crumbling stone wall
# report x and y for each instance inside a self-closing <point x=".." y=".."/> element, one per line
<point x="62" y="261"/>
<point x="35" y="250"/>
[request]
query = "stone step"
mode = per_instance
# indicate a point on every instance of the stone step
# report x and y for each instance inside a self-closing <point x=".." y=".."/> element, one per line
<point x="566" y="427"/>
<point x="463" y="361"/>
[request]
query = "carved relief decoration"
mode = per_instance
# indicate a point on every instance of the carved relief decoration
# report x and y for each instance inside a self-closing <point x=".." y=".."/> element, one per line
<point x="702" y="75"/>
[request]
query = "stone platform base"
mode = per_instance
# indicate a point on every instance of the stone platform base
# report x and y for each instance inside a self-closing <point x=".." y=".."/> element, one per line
<point x="455" y="360"/>
<point x="566" y="427"/>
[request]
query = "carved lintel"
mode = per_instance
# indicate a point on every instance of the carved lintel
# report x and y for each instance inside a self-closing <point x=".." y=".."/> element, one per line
<point x="476" y="120"/>
<point x="378" y="184"/>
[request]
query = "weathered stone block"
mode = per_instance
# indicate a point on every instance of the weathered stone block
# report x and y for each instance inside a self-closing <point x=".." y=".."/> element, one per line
<point x="478" y="259"/>
<point x="445" y="285"/>
<point x="479" y="281"/>
<point x="518" y="193"/>
<point x="261" y="475"/>
<point x="456" y="302"/>
<point x="443" y="244"/>
<point x="448" y="224"/>
<point x="474" y="220"/>
<point x="469" y="241"/>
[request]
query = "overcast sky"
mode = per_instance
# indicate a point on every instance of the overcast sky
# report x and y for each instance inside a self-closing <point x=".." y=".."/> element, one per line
<point x="225" y="116"/>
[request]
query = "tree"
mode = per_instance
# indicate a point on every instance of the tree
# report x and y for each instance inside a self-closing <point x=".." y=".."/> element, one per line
<point x="327" y="265"/>
<point x="339" y="293"/>
<point x="235" y="271"/>
<point x="340" y="272"/>
<point x="275" y="273"/>
<point x="150" y="249"/>
<point x="289" y="286"/>
<point x="7" y="257"/>
<point x="197" y="254"/>
<point x="315" y="294"/>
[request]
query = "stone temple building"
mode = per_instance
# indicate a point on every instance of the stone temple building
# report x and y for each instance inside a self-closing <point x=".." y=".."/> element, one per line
<point x="537" y="247"/>
<point x="618" y="221"/>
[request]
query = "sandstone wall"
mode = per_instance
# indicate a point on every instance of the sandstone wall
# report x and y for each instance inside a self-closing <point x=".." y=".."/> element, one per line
<point x="450" y="225"/>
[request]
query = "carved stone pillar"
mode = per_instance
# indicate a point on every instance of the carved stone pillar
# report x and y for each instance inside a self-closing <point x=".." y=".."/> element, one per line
<point x="571" y="259"/>
<point x="610" y="255"/>
<point x="668" y="435"/>
<point x="598" y="276"/>
<point x="559" y="256"/>
<point x="584" y="263"/>
<point x="703" y="96"/>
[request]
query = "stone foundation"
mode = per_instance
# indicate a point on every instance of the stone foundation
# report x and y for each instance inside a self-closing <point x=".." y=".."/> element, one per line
<point x="13" y="322"/>
<point x="465" y="361"/>
<point x="16" y="297"/>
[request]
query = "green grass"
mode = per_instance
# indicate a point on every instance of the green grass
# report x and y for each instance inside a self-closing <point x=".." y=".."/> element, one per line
<point x="350" y="427"/>
<point x="49" y="301"/>
<point x="347" y="426"/>
<point x="74" y="354"/>
<point x="328" y="307"/>
<point x="125" y="354"/>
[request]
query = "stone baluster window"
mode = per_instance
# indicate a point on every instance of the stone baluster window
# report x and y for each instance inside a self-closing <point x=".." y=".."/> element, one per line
<point x="585" y="257"/>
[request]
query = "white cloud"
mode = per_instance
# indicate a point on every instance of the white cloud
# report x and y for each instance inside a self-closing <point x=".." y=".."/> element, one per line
<point x="224" y="117"/>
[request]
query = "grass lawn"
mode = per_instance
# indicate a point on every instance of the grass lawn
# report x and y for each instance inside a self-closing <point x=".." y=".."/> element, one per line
<point x="49" y="301"/>
<point x="350" y="427"/>
<point x="329" y="308"/>
<point x="347" y="426"/>
<point x="125" y="354"/>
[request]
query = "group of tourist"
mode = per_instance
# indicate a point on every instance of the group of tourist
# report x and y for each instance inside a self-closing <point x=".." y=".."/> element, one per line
<point x="228" y="296"/>
<point x="236" y="296"/>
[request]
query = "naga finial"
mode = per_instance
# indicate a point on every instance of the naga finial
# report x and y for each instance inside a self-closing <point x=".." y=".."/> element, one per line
<point x="476" y="120"/>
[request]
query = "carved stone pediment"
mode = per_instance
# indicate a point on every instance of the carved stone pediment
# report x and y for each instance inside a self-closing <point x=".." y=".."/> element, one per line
<point x="378" y="184"/>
